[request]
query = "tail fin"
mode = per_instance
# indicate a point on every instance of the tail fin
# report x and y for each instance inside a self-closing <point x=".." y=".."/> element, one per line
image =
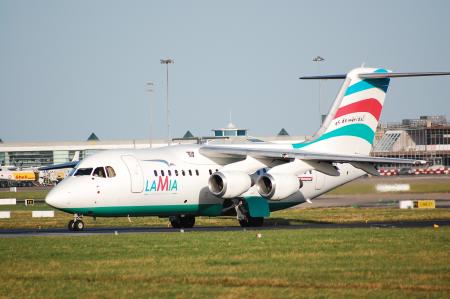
<point x="76" y="156"/>
<point x="352" y="121"/>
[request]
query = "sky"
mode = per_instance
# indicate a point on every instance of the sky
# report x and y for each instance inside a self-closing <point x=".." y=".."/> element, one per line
<point x="69" y="68"/>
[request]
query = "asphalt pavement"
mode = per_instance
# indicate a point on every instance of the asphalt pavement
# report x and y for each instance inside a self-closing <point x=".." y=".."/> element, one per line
<point x="62" y="232"/>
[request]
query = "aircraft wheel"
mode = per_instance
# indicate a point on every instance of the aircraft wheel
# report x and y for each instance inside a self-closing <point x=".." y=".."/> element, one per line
<point x="78" y="225"/>
<point x="71" y="225"/>
<point x="175" y="221"/>
<point x="182" y="221"/>
<point x="187" y="221"/>
<point x="252" y="221"/>
<point x="244" y="222"/>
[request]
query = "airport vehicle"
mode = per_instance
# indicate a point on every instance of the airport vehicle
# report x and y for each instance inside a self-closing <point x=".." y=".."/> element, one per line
<point x="246" y="180"/>
<point x="54" y="176"/>
<point x="10" y="176"/>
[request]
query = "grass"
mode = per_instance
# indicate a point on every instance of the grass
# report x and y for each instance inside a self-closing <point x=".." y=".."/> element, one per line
<point x="375" y="263"/>
<point x="22" y="195"/>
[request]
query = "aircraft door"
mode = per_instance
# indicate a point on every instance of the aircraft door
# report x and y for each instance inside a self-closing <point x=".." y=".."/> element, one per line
<point x="135" y="170"/>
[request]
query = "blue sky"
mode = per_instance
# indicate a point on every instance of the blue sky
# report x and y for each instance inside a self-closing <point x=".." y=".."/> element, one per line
<point x="69" y="68"/>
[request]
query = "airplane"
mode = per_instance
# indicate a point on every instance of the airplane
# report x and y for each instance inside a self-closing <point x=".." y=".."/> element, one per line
<point x="248" y="181"/>
<point x="54" y="176"/>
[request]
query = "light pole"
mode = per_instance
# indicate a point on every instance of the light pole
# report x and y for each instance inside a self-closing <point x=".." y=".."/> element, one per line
<point x="318" y="60"/>
<point x="150" y="91"/>
<point x="167" y="62"/>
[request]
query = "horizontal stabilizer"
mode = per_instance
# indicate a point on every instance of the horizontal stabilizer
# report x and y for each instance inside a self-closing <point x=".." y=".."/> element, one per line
<point x="342" y="76"/>
<point x="401" y="75"/>
<point x="377" y="75"/>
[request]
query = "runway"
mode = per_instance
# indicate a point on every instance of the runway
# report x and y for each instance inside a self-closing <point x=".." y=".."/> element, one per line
<point x="62" y="232"/>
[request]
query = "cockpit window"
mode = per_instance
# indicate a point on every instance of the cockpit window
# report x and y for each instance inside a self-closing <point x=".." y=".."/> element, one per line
<point x="100" y="172"/>
<point x="110" y="171"/>
<point x="83" y="171"/>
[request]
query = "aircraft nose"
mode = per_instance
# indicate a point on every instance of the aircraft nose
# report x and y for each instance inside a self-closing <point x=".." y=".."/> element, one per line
<point x="53" y="198"/>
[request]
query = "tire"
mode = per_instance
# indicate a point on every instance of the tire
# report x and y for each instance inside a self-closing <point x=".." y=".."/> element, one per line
<point x="182" y="221"/>
<point x="187" y="221"/>
<point x="78" y="225"/>
<point x="71" y="225"/>
<point x="175" y="221"/>
<point x="257" y="221"/>
<point x="243" y="223"/>
<point x="252" y="222"/>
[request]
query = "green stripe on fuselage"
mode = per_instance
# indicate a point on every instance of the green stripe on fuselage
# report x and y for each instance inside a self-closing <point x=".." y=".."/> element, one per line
<point x="164" y="210"/>
<point x="153" y="210"/>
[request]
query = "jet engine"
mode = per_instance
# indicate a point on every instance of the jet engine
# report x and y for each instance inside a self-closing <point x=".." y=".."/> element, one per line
<point x="229" y="184"/>
<point x="277" y="186"/>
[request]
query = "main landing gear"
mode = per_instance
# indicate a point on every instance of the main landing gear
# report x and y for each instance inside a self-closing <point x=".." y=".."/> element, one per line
<point x="252" y="221"/>
<point x="182" y="221"/>
<point x="244" y="218"/>
<point x="76" y="224"/>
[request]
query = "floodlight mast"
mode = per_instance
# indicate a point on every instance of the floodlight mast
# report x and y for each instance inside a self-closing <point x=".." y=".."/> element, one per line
<point x="167" y="62"/>
<point x="318" y="60"/>
<point x="150" y="91"/>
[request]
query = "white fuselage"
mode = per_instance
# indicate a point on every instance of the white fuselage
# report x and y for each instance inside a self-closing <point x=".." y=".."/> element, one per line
<point x="167" y="181"/>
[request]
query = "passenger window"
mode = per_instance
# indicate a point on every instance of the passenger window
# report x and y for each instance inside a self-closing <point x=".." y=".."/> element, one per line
<point x="155" y="172"/>
<point x="99" y="172"/>
<point x="217" y="170"/>
<point x="110" y="171"/>
<point x="210" y="172"/>
<point x="169" y="172"/>
<point x="264" y="170"/>
<point x="183" y="173"/>
<point x="257" y="172"/>
<point x="196" y="172"/>
<point x="176" y="172"/>
<point x="162" y="172"/>
<point x="83" y="171"/>
<point x="190" y="172"/>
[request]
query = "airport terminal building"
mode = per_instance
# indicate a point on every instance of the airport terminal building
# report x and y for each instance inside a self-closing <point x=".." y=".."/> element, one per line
<point x="426" y="138"/>
<point x="37" y="154"/>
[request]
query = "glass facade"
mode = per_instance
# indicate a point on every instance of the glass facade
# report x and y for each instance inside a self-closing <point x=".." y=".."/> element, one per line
<point x="417" y="140"/>
<point x="29" y="158"/>
<point x="242" y="132"/>
<point x="230" y="132"/>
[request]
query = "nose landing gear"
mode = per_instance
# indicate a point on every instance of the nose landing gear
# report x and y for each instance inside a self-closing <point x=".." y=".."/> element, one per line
<point x="76" y="224"/>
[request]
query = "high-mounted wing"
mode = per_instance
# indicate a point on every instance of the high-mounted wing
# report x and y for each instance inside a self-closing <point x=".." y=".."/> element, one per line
<point x="286" y="154"/>
<point x="71" y="164"/>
